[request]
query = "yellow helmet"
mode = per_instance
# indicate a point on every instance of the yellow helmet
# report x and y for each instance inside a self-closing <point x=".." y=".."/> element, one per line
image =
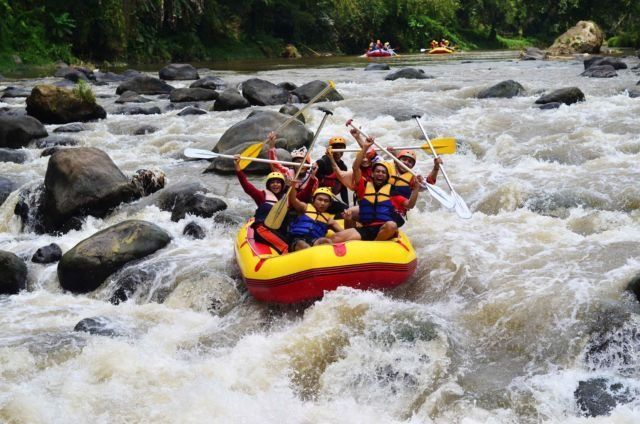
<point x="387" y="165"/>
<point x="337" y="140"/>
<point x="275" y="176"/>
<point x="323" y="190"/>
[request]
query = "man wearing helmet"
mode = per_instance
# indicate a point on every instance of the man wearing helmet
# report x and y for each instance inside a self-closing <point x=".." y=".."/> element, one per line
<point x="377" y="208"/>
<point x="265" y="199"/>
<point x="306" y="177"/>
<point x="327" y="177"/>
<point x="310" y="227"/>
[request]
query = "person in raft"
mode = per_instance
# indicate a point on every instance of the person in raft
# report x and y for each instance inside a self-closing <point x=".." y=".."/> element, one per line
<point x="310" y="227"/>
<point x="327" y="177"/>
<point x="377" y="209"/>
<point x="265" y="199"/>
<point x="306" y="177"/>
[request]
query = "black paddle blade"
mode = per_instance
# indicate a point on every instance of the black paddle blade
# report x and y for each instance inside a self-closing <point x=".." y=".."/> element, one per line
<point x="325" y="110"/>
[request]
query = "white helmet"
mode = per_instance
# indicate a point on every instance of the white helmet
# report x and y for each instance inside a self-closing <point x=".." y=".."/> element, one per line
<point x="299" y="153"/>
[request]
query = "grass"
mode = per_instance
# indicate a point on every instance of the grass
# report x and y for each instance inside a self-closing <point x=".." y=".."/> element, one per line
<point x="84" y="92"/>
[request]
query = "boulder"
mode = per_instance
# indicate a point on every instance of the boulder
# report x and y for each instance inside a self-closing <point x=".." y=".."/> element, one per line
<point x="262" y="93"/>
<point x="567" y="96"/>
<point x="99" y="326"/>
<point x="79" y="182"/>
<point x="144" y="84"/>
<point x="289" y="86"/>
<point x="53" y="141"/>
<point x="634" y="287"/>
<point x="13" y="155"/>
<point x="292" y="110"/>
<point x="81" y="72"/>
<point x="28" y="207"/>
<point x="138" y="110"/>
<point x="48" y="151"/>
<point x="585" y="37"/>
<point x="131" y="97"/>
<point x="377" y="67"/>
<point x="6" y="187"/>
<point x="256" y="127"/>
<point x="600" y="71"/>
<point x="598" y="396"/>
<point x="191" y="111"/>
<point x="193" y="230"/>
<point x="18" y="131"/>
<point x="230" y="99"/>
<point x="210" y="83"/>
<point x="177" y="194"/>
<point x="179" y="71"/>
<point x="70" y="128"/>
<point x="548" y="106"/>
<point x="199" y="205"/>
<point x="145" y="129"/>
<point x="226" y="166"/>
<point x="407" y="73"/>
<point x="13" y="273"/>
<point x="88" y="264"/>
<point x="311" y="89"/>
<point x="55" y="105"/>
<point x="47" y="254"/>
<point x="634" y="92"/>
<point x="192" y="95"/>
<point x="108" y="77"/>
<point x="599" y="60"/>
<point x="231" y="220"/>
<point x="532" y="53"/>
<point x="74" y="75"/>
<point x="505" y="89"/>
<point x="147" y="181"/>
<point x="14" y="92"/>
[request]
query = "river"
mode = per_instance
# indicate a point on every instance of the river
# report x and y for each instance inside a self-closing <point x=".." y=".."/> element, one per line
<point x="494" y="326"/>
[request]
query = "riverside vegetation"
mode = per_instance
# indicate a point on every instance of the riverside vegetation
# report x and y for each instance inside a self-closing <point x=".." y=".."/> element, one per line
<point x="37" y="32"/>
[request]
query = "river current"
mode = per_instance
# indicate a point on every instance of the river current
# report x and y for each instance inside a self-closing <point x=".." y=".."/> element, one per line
<point x="494" y="327"/>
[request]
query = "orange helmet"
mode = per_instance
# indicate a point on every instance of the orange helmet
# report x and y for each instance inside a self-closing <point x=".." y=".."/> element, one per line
<point x="337" y="140"/>
<point x="371" y="153"/>
<point x="407" y="153"/>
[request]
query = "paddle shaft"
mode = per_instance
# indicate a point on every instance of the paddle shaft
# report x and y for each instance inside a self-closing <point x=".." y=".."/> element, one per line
<point x="205" y="154"/>
<point x="435" y="154"/>
<point x="397" y="148"/>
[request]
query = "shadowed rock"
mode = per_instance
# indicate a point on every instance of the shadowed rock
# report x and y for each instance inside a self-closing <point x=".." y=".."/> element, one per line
<point x="47" y="254"/>
<point x="6" y="187"/>
<point x="600" y="71"/>
<point x="407" y="73"/>
<point x="292" y="110"/>
<point x="70" y="128"/>
<point x="145" y="129"/>
<point x="598" y="396"/>
<point x="193" y="230"/>
<point x="131" y="97"/>
<point x="54" y="140"/>
<point x="143" y="84"/>
<point x="13" y="273"/>
<point x="311" y="89"/>
<point x="377" y="67"/>
<point x="99" y="326"/>
<point x="599" y="61"/>
<point x="55" y="105"/>
<point x="178" y="71"/>
<point x="567" y="96"/>
<point x="18" y="131"/>
<point x="192" y="111"/>
<point x="85" y="267"/>
<point x="198" y="205"/>
<point x="504" y="89"/>
<point x="262" y="93"/>
<point x="139" y="110"/>
<point x="210" y="83"/>
<point x="192" y="95"/>
<point x="230" y="99"/>
<point x="13" y="155"/>
<point x="532" y="53"/>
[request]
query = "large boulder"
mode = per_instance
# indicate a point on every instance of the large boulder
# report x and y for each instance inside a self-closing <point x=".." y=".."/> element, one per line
<point x="47" y="254"/>
<point x="585" y="37"/>
<point x="210" y="82"/>
<point x="504" y="89"/>
<point x="177" y="195"/>
<point x="230" y="99"/>
<point x="79" y="182"/>
<point x="131" y="97"/>
<point x="6" y="187"/>
<point x="13" y="273"/>
<point x="55" y="105"/>
<point x="407" y="73"/>
<point x="226" y="166"/>
<point x="144" y="84"/>
<point x="256" y="127"/>
<point x="13" y="155"/>
<point x="533" y="53"/>
<point x="311" y="89"/>
<point x="290" y="109"/>
<point x="567" y="96"/>
<point x="178" y="71"/>
<point x="192" y="95"/>
<point x="262" y="93"/>
<point x="85" y="267"/>
<point x="198" y="205"/>
<point x="18" y="131"/>
<point x="600" y="71"/>
<point x="599" y="60"/>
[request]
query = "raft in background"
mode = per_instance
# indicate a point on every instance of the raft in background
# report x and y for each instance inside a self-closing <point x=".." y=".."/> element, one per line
<point x="379" y="53"/>
<point x="307" y="274"/>
<point x="440" y="50"/>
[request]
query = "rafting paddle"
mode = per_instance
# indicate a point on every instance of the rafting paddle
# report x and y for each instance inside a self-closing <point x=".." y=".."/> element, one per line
<point x="436" y="192"/>
<point x="443" y="145"/>
<point x="206" y="154"/>
<point x="279" y="211"/>
<point x="460" y="206"/>
<point x="257" y="147"/>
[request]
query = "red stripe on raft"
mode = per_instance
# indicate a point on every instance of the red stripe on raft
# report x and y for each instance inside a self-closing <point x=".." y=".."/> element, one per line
<point x="311" y="284"/>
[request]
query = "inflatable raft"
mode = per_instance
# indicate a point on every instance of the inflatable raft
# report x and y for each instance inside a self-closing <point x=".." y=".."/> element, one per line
<point x="379" y="53"/>
<point x="440" y="50"/>
<point x="307" y="274"/>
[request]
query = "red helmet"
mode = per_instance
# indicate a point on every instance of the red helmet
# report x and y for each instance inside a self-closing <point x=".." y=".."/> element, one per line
<point x="407" y="153"/>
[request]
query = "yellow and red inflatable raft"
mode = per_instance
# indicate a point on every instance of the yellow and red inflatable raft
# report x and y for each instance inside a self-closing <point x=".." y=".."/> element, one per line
<point x="307" y="274"/>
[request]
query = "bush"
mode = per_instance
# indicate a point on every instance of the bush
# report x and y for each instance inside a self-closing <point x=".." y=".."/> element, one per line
<point x="84" y="92"/>
<point x="624" y="40"/>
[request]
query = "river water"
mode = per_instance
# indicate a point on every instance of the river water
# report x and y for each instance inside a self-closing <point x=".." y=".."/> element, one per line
<point x="494" y="326"/>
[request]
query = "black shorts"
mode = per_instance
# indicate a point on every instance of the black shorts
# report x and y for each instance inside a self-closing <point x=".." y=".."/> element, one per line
<point x="369" y="233"/>
<point x="296" y="239"/>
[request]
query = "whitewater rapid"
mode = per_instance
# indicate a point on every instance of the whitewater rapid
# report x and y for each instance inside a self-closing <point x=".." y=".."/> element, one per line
<point x="493" y="327"/>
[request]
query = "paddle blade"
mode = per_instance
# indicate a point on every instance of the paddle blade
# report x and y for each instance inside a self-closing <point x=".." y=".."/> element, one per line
<point x="437" y="193"/>
<point x="250" y="152"/>
<point x="276" y="215"/>
<point x="461" y="207"/>
<point x="443" y="146"/>
<point x="199" y="153"/>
